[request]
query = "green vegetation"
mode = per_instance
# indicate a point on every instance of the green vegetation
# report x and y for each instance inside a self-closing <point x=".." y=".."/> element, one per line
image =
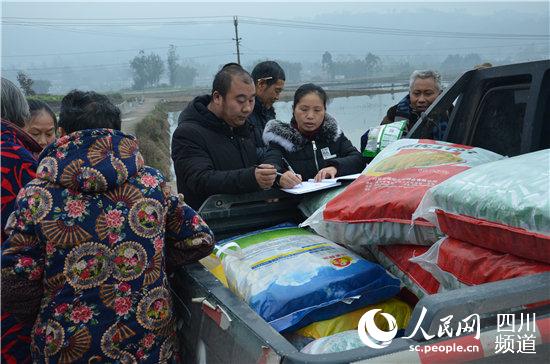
<point x="47" y="98"/>
<point x="153" y="133"/>
<point x="116" y="98"/>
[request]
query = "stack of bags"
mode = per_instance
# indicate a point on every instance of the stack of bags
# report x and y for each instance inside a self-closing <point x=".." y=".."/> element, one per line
<point x="305" y="285"/>
<point x="375" y="213"/>
<point x="496" y="218"/>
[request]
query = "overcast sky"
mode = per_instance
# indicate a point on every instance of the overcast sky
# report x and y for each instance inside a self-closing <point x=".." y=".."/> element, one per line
<point x="43" y="36"/>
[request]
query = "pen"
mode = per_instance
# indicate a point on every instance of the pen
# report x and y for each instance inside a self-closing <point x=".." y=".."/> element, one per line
<point x="288" y="165"/>
<point x="257" y="166"/>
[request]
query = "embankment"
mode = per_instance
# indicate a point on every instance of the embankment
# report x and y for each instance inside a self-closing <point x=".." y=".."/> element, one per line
<point x="153" y="133"/>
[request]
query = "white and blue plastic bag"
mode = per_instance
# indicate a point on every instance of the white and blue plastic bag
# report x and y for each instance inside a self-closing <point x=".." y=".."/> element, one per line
<point x="292" y="277"/>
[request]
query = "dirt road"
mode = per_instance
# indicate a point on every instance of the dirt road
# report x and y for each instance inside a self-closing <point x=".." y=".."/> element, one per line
<point x="131" y="118"/>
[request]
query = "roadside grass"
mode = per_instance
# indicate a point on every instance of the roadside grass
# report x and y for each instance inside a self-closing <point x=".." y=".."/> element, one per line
<point x="153" y="133"/>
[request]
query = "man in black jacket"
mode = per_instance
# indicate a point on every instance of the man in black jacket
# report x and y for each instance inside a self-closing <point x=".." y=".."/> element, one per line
<point x="269" y="79"/>
<point x="212" y="147"/>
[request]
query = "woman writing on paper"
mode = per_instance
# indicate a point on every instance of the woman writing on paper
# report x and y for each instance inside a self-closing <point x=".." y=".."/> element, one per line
<point x="312" y="145"/>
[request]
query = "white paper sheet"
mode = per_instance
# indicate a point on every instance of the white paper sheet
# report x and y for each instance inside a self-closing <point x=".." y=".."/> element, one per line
<point x="307" y="186"/>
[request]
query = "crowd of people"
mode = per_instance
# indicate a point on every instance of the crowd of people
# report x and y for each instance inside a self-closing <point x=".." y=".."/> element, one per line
<point x="230" y="141"/>
<point x="90" y="234"/>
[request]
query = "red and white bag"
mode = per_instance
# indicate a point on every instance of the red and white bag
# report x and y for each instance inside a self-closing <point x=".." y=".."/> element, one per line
<point x="377" y="207"/>
<point x="395" y="258"/>
<point x="456" y="264"/>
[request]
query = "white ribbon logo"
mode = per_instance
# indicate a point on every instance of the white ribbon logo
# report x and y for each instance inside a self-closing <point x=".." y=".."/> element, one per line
<point x="369" y="332"/>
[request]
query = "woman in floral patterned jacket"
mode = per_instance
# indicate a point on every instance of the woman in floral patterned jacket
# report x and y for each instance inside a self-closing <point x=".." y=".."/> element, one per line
<point x="94" y="236"/>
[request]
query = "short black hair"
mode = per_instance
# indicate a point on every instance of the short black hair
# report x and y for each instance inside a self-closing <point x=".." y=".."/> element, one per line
<point x="268" y="70"/>
<point x="307" y="89"/>
<point x="222" y="80"/>
<point x="36" y="106"/>
<point x="82" y="110"/>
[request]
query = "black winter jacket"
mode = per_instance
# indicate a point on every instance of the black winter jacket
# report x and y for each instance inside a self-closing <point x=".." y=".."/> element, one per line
<point x="330" y="147"/>
<point x="258" y="119"/>
<point x="210" y="157"/>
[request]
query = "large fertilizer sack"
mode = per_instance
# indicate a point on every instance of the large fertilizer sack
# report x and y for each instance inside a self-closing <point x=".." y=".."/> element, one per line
<point x="397" y="260"/>
<point x="292" y="277"/>
<point x="504" y="206"/>
<point x="377" y="207"/>
<point x="311" y="202"/>
<point x="456" y="264"/>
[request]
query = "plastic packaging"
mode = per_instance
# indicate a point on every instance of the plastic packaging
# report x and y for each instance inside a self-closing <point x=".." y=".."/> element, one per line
<point x="456" y="264"/>
<point x="343" y="341"/>
<point x="381" y="136"/>
<point x="292" y="277"/>
<point x="214" y="266"/>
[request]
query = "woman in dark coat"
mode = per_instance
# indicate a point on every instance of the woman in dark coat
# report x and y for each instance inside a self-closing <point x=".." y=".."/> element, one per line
<point x="312" y="145"/>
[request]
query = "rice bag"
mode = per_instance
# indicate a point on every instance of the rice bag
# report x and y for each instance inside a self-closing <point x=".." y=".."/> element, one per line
<point x="504" y="206"/>
<point x="377" y="208"/>
<point x="292" y="277"/>
<point x="312" y="201"/>
<point x="456" y="264"/>
<point x="396" y="259"/>
<point x="349" y="321"/>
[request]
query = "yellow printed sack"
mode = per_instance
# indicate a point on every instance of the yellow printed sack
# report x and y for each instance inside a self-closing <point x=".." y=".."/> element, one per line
<point x="349" y="321"/>
<point x="214" y="266"/>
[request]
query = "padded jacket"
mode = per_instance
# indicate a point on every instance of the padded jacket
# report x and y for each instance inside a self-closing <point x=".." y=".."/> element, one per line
<point x="329" y="147"/>
<point x="210" y="157"/>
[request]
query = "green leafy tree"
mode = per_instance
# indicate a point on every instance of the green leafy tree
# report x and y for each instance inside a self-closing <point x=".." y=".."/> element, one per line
<point x="155" y="69"/>
<point x="146" y="70"/>
<point x="41" y="86"/>
<point x="139" y="70"/>
<point x="328" y="64"/>
<point x="372" y="63"/>
<point x="459" y="63"/>
<point x="172" y="61"/>
<point x="25" y="82"/>
<point x="292" y="70"/>
<point x="185" y="75"/>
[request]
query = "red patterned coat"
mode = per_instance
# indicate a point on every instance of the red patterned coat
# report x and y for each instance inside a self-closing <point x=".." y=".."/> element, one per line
<point x="18" y="168"/>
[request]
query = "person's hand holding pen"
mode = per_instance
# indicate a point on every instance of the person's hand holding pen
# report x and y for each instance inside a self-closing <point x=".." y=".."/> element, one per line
<point x="289" y="179"/>
<point x="265" y="175"/>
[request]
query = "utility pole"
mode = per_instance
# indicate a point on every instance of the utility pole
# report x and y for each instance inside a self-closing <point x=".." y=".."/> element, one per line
<point x="237" y="39"/>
